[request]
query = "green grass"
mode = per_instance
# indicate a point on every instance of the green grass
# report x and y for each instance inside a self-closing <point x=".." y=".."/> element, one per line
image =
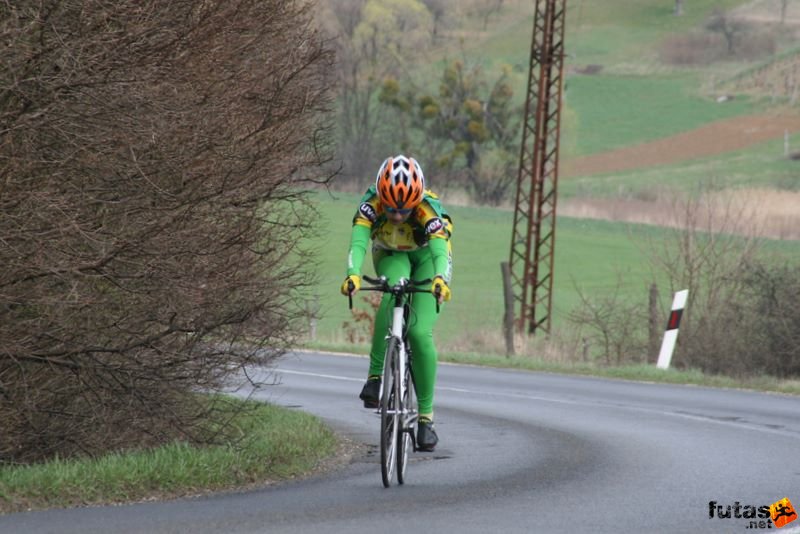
<point x="610" y="33"/>
<point x="594" y="257"/>
<point x="276" y="444"/>
<point x="481" y="241"/>
<point x="622" y="32"/>
<point x="635" y="372"/>
<point x="617" y="111"/>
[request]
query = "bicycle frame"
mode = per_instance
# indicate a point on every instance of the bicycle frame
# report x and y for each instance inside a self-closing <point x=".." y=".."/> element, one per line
<point x="397" y="403"/>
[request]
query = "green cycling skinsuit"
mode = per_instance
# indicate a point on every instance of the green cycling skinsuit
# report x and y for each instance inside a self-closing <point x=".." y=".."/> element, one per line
<point x="419" y="249"/>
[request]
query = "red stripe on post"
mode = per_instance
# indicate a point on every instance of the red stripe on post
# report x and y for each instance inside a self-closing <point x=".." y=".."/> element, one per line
<point x="674" y="319"/>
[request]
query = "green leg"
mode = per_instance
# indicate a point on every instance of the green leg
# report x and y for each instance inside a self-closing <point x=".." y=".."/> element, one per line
<point x="420" y="333"/>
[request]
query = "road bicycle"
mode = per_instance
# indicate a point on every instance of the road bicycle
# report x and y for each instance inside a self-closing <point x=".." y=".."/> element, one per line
<point x="398" y="403"/>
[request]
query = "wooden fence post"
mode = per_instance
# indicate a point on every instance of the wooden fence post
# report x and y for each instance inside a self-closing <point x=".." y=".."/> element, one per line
<point x="508" y="317"/>
<point x="654" y="329"/>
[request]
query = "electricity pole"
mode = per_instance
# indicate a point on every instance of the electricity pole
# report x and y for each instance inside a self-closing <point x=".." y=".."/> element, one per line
<point x="533" y="238"/>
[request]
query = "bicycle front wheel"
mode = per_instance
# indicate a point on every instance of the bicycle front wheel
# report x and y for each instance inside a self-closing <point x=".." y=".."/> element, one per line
<point x="407" y="419"/>
<point x="389" y="412"/>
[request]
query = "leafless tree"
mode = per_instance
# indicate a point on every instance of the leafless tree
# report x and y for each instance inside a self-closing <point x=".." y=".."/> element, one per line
<point x="486" y="9"/>
<point x="731" y="28"/>
<point x="373" y="40"/>
<point x="357" y="87"/>
<point x="150" y="216"/>
<point x="612" y="324"/>
<point x="741" y="318"/>
<point x="440" y="10"/>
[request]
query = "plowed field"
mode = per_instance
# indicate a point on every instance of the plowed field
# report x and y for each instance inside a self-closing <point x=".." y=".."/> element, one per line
<point x="710" y="140"/>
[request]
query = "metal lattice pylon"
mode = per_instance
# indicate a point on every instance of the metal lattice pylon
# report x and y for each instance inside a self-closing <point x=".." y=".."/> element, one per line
<point x="534" y="236"/>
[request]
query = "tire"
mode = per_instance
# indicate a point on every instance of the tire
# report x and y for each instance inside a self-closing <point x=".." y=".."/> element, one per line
<point x="390" y="420"/>
<point x="404" y="440"/>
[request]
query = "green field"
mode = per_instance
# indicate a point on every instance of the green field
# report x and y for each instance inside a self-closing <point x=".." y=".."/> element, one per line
<point x="613" y="33"/>
<point x="617" y="111"/>
<point x="635" y="97"/>
<point x="591" y="256"/>
<point x="588" y="253"/>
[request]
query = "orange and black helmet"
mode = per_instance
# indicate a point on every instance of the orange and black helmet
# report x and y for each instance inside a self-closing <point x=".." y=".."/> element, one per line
<point x="400" y="183"/>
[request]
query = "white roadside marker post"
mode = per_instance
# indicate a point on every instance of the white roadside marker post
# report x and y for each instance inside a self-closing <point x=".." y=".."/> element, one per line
<point x="671" y="334"/>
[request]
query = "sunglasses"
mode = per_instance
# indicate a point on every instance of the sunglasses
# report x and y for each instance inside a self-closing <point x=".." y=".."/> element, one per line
<point x="401" y="212"/>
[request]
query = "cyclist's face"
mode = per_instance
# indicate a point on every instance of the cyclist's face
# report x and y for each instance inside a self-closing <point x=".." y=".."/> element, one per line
<point x="398" y="216"/>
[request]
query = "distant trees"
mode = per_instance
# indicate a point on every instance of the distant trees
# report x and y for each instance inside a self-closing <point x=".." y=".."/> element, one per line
<point x="470" y="129"/>
<point x="741" y="318"/>
<point x="378" y="44"/>
<point x="440" y="10"/>
<point x="726" y="37"/>
<point x="729" y="27"/>
<point x="487" y="8"/>
<point x="150" y="219"/>
<point x="374" y="40"/>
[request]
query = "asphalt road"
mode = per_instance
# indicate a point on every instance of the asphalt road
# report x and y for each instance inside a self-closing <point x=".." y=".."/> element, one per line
<point x="519" y="452"/>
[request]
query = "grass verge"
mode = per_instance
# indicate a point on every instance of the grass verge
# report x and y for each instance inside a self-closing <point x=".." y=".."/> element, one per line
<point x="635" y="372"/>
<point x="276" y="444"/>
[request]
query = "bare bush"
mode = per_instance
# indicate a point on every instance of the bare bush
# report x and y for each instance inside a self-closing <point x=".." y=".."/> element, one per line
<point x="756" y="45"/>
<point x="771" y="321"/>
<point x="692" y="49"/>
<point x="705" y="48"/>
<point x="150" y="155"/>
<point x="613" y="327"/>
<point x="705" y="254"/>
<point x="741" y="318"/>
<point x="756" y="332"/>
<point x="360" y="328"/>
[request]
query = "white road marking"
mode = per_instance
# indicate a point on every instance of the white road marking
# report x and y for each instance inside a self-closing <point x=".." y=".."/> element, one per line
<point x="694" y="417"/>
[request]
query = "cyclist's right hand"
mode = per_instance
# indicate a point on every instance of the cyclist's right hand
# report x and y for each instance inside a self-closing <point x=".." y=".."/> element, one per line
<point x="351" y="284"/>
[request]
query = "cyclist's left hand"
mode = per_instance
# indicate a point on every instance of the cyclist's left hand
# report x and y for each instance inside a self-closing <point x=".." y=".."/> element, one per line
<point x="440" y="286"/>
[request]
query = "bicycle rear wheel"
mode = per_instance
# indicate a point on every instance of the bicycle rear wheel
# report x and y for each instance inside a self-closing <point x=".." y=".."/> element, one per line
<point x="390" y="420"/>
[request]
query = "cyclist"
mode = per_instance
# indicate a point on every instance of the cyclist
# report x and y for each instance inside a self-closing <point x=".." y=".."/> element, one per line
<point x="410" y="232"/>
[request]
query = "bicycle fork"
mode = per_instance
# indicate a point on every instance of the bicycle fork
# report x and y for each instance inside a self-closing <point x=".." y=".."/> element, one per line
<point x="407" y="417"/>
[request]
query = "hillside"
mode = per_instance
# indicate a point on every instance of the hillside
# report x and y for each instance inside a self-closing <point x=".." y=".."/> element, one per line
<point x="636" y="125"/>
<point x="778" y="79"/>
